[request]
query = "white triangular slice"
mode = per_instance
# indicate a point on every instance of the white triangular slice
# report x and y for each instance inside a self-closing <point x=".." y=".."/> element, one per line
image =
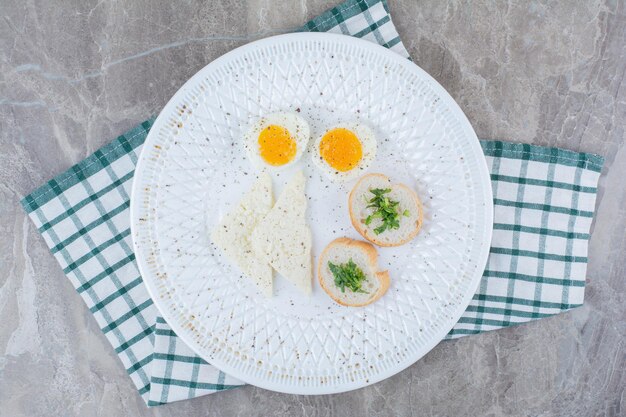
<point x="232" y="235"/>
<point x="283" y="238"/>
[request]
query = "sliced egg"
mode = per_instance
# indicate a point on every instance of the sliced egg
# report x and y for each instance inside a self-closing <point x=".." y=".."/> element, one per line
<point x="277" y="140"/>
<point x="343" y="152"/>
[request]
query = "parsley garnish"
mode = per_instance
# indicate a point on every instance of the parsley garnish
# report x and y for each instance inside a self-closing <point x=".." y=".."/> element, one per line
<point x="348" y="275"/>
<point x="385" y="209"/>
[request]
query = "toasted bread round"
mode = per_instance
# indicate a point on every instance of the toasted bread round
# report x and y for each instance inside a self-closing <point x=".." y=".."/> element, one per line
<point x="364" y="255"/>
<point x="409" y="225"/>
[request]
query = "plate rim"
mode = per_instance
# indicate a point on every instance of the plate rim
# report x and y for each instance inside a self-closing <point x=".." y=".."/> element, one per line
<point x="488" y="212"/>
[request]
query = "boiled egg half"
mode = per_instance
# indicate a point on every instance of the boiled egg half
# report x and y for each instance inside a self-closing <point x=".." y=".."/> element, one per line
<point x="343" y="152"/>
<point x="277" y="140"/>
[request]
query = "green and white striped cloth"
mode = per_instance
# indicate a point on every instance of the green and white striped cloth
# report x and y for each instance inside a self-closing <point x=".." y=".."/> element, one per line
<point x="544" y="203"/>
<point x="544" y="200"/>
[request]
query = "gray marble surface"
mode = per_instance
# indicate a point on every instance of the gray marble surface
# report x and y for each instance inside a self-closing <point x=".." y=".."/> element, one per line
<point x="74" y="74"/>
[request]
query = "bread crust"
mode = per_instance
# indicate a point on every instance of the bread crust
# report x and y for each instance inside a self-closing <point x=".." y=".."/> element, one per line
<point x="370" y="235"/>
<point x="372" y="255"/>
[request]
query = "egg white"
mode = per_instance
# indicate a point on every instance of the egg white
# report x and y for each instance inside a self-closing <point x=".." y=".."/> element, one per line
<point x="298" y="129"/>
<point x="368" y="145"/>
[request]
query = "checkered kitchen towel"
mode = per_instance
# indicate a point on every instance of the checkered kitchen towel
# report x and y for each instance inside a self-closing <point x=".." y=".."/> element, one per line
<point x="544" y="202"/>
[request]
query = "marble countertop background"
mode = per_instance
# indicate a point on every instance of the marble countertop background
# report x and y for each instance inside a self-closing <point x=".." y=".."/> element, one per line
<point x="74" y="74"/>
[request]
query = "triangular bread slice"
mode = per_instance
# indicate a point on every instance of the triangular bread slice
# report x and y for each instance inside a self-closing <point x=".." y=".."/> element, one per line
<point x="232" y="235"/>
<point x="341" y="251"/>
<point x="408" y="200"/>
<point x="283" y="238"/>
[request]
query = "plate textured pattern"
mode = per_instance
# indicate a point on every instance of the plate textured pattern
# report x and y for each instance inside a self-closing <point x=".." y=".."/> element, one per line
<point x="193" y="169"/>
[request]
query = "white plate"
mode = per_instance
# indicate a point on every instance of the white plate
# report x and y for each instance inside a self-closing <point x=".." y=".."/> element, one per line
<point x="193" y="168"/>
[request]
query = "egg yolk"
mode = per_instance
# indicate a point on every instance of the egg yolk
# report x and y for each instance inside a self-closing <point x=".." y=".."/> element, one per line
<point x="341" y="149"/>
<point x="276" y="145"/>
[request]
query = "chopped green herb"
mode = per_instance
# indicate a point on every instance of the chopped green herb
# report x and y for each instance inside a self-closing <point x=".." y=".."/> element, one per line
<point x="348" y="275"/>
<point x="385" y="209"/>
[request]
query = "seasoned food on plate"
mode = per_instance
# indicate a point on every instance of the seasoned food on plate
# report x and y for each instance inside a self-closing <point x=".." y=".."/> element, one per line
<point x="277" y="140"/>
<point x="348" y="272"/>
<point x="345" y="151"/>
<point x="283" y="239"/>
<point x="232" y="235"/>
<point x="384" y="213"/>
